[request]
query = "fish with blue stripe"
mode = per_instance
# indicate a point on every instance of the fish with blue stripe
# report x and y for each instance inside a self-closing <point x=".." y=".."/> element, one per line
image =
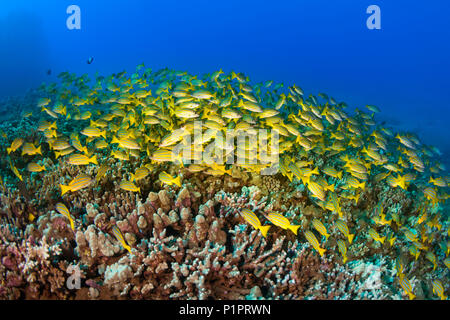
<point x="314" y="242"/>
<point x="251" y="218"/>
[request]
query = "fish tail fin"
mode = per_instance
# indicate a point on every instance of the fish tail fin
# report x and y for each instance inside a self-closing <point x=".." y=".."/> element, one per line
<point x="93" y="159"/>
<point x="345" y="259"/>
<point x="350" y="238"/>
<point x="132" y="177"/>
<point x="294" y="228"/>
<point x="362" y="185"/>
<point x="38" y="150"/>
<point x="8" y="150"/>
<point x="306" y="180"/>
<point x="264" y="230"/>
<point x="289" y="175"/>
<point x="315" y="171"/>
<point x="331" y="187"/>
<point x="339" y="175"/>
<point x="382" y="239"/>
<point x="57" y="154"/>
<point x="411" y="295"/>
<point x="321" y="251"/>
<point x="177" y="181"/>
<point x="103" y="134"/>
<point x="64" y="189"/>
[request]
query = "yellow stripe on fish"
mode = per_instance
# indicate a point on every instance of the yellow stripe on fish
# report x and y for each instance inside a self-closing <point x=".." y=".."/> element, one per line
<point x="318" y="225"/>
<point x="140" y="174"/>
<point x="166" y="178"/>
<point x="251" y="218"/>
<point x="375" y="236"/>
<point x="62" y="209"/>
<point x="129" y="186"/>
<point x="119" y="236"/>
<point x="406" y="286"/>
<point x="342" y="249"/>
<point x="81" y="159"/>
<point x="438" y="289"/>
<point x="16" y="144"/>
<point x="314" y="242"/>
<point x="282" y="222"/>
<point x="34" y="167"/>
<point x="79" y="182"/>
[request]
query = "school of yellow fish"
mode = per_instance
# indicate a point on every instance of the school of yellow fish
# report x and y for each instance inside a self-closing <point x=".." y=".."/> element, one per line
<point x="335" y="156"/>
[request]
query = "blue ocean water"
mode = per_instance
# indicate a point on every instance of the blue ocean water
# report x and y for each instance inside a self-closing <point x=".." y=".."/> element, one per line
<point x="322" y="46"/>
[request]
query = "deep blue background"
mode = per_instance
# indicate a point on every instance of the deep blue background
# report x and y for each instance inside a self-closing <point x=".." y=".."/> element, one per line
<point x="322" y="46"/>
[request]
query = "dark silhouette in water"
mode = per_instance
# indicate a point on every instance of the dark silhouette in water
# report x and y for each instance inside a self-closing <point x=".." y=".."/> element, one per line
<point x="49" y="72"/>
<point x="90" y="60"/>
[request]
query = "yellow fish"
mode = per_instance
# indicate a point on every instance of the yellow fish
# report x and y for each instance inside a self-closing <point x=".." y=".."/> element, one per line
<point x="64" y="152"/>
<point x="166" y="178"/>
<point x="406" y="285"/>
<point x="314" y="242"/>
<point x="318" y="225"/>
<point x="30" y="149"/>
<point x="316" y="190"/>
<point x="282" y="222"/>
<point x="140" y="174"/>
<point x="118" y="154"/>
<point x="81" y="159"/>
<point x="129" y="186"/>
<point x="342" y="226"/>
<point x="375" y="236"/>
<point x="16" y="144"/>
<point x="62" y="209"/>
<point x="101" y="172"/>
<point x="119" y="236"/>
<point x="342" y="249"/>
<point x="93" y="132"/>
<point x="126" y="143"/>
<point x="16" y="172"/>
<point x="438" y="289"/>
<point x="251" y="218"/>
<point x="34" y="167"/>
<point x="79" y="182"/>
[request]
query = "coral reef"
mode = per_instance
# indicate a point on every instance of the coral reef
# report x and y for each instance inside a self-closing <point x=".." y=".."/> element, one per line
<point x="353" y="211"/>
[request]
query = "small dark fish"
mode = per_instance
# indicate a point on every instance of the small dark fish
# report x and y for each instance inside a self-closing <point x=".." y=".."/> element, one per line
<point x="90" y="60"/>
<point x="49" y="72"/>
